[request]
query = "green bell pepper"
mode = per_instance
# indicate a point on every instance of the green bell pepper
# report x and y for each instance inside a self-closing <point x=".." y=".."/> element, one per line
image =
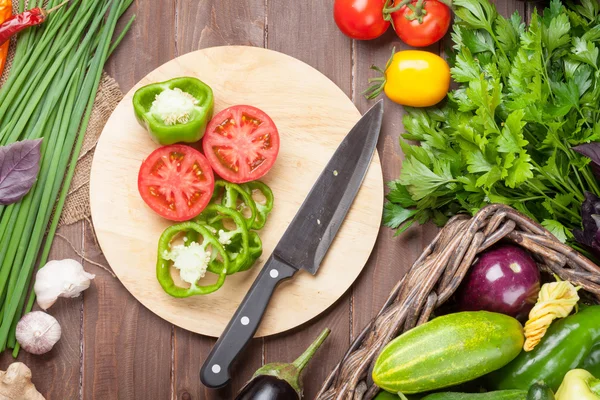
<point x="233" y="239"/>
<point x="255" y="250"/>
<point x="579" y="384"/>
<point x="263" y="209"/>
<point x="568" y="344"/>
<point x="592" y="362"/>
<point x="163" y="264"/>
<point x="174" y="111"/>
<point x="229" y="194"/>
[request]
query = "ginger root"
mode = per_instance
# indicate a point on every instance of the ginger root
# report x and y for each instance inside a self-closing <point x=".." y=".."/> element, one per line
<point x="15" y="383"/>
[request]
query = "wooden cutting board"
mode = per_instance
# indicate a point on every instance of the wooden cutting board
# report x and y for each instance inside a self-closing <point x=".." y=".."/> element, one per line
<point x="312" y="114"/>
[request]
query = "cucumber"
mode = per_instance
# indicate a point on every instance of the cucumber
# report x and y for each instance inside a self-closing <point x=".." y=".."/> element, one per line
<point x="539" y="391"/>
<point x="497" y="395"/>
<point x="447" y="351"/>
<point x="383" y="395"/>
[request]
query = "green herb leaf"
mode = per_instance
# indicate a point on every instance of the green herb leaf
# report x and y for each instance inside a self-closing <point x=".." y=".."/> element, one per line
<point x="557" y="229"/>
<point x="395" y="215"/>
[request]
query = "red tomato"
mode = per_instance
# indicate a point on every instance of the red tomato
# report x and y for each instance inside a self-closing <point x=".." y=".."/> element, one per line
<point x="176" y="182"/>
<point x="241" y="143"/>
<point x="360" y="19"/>
<point x="431" y="28"/>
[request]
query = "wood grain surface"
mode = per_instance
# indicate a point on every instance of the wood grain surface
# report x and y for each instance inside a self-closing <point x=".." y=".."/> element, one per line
<point x="113" y="347"/>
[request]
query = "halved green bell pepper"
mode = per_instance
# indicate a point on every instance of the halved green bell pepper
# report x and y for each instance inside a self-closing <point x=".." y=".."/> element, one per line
<point x="174" y="111"/>
<point x="568" y="344"/>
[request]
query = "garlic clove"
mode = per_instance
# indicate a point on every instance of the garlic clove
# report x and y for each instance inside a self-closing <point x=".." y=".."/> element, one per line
<point x="37" y="332"/>
<point x="60" y="278"/>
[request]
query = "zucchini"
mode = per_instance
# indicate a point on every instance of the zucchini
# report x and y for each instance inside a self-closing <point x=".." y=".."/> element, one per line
<point x="447" y="351"/>
<point x="497" y="395"/>
<point x="539" y="391"/>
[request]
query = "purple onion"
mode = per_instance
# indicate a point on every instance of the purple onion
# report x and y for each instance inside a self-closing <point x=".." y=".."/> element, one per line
<point x="505" y="279"/>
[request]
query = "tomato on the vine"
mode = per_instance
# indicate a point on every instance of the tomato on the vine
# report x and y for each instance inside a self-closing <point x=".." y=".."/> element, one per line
<point x="360" y="19"/>
<point x="420" y="23"/>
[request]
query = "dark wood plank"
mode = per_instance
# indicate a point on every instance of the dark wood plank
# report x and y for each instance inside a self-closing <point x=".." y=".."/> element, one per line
<point x="306" y="30"/>
<point x="200" y="25"/>
<point x="149" y="44"/>
<point x="127" y="349"/>
<point x="56" y="373"/>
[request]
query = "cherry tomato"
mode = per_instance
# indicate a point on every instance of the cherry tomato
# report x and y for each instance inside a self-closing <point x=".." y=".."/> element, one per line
<point x="241" y="143"/>
<point x="423" y="26"/>
<point x="413" y="78"/>
<point x="360" y="19"/>
<point x="176" y="182"/>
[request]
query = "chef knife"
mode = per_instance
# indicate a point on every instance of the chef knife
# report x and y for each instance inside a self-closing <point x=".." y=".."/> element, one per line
<point x="304" y="243"/>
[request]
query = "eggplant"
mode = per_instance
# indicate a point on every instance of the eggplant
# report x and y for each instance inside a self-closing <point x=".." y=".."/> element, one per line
<point x="280" y="381"/>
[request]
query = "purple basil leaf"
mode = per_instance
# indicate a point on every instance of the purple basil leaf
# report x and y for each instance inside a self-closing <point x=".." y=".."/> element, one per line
<point x="591" y="151"/>
<point x="19" y="166"/>
<point x="590" y="215"/>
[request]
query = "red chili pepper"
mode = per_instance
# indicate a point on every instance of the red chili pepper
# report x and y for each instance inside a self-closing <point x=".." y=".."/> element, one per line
<point x="5" y="13"/>
<point x="17" y="23"/>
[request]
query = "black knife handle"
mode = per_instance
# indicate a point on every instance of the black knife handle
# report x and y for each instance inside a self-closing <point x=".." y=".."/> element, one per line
<point x="244" y="323"/>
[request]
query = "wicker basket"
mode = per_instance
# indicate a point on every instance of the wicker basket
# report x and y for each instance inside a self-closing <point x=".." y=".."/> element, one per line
<point x="436" y="275"/>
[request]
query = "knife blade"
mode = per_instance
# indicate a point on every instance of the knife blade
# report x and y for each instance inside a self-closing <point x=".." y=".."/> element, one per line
<point x="304" y="243"/>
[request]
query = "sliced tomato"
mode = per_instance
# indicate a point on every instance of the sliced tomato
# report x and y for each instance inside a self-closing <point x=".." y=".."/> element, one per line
<point x="176" y="182"/>
<point x="241" y="143"/>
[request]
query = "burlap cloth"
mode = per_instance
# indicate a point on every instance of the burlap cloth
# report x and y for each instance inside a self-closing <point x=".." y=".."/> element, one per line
<point x="77" y="204"/>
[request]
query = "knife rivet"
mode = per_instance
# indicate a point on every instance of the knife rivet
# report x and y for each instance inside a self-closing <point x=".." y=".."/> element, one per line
<point x="245" y="320"/>
<point x="274" y="273"/>
<point x="216" y="368"/>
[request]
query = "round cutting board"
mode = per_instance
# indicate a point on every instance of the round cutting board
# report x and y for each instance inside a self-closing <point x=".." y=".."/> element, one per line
<point x="312" y="114"/>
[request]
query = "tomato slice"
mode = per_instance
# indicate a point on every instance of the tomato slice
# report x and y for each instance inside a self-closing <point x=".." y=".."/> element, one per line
<point x="176" y="182"/>
<point x="241" y="143"/>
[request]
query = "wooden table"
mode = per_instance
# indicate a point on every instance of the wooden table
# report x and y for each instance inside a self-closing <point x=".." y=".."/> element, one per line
<point x="114" y="348"/>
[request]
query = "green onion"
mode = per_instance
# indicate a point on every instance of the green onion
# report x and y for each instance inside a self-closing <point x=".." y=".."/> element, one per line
<point x="49" y="93"/>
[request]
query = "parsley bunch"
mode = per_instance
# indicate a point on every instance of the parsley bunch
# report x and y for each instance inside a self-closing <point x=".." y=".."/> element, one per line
<point x="526" y="95"/>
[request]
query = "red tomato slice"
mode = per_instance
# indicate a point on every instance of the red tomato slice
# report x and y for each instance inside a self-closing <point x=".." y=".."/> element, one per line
<point x="241" y="143"/>
<point x="176" y="182"/>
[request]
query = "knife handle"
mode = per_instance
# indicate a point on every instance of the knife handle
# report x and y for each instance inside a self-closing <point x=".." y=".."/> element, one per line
<point x="244" y="323"/>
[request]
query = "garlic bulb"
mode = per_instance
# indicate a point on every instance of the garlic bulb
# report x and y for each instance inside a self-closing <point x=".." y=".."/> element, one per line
<point x="60" y="278"/>
<point x="37" y="332"/>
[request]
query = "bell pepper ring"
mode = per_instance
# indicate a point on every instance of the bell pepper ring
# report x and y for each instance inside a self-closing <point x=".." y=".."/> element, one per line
<point x="163" y="265"/>
<point x="234" y="241"/>
<point x="254" y="250"/>
<point x="174" y="111"/>
<point x="263" y="209"/>
<point x="229" y="193"/>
